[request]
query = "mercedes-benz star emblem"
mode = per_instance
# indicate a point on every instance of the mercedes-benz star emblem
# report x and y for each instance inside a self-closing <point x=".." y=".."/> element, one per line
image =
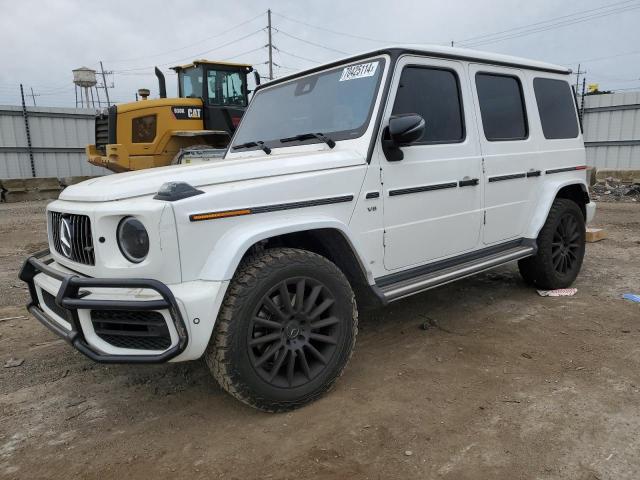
<point x="65" y="237"/>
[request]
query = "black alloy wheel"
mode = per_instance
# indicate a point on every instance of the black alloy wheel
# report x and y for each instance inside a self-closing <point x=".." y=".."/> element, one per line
<point x="565" y="247"/>
<point x="293" y="332"/>
<point x="561" y="247"/>
<point x="285" y="331"/>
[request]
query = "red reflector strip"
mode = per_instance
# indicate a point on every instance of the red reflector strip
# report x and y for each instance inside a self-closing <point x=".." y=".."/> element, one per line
<point x="581" y="167"/>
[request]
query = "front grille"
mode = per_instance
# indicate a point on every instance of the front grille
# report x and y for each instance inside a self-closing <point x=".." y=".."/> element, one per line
<point x="102" y="132"/>
<point x="79" y="246"/>
<point x="139" y="330"/>
<point x="50" y="301"/>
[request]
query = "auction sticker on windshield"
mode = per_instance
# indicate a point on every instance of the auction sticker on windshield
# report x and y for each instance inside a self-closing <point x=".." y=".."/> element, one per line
<point x="362" y="70"/>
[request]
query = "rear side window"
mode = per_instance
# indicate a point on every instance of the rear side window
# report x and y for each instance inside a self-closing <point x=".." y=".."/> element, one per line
<point x="501" y="107"/>
<point x="556" y="107"/>
<point x="435" y="95"/>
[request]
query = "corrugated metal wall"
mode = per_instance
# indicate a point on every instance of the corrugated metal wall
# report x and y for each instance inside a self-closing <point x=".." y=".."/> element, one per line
<point x="612" y="130"/>
<point x="58" y="139"/>
<point x="59" y="135"/>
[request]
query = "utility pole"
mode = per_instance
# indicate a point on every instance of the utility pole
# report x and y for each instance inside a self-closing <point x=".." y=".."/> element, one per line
<point x="584" y="86"/>
<point x="270" y="45"/>
<point x="33" y="97"/>
<point x="25" y="116"/>
<point x="578" y="73"/>
<point x="104" y="83"/>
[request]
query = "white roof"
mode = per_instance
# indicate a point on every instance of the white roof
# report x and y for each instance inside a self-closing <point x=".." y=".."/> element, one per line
<point x="450" y="52"/>
<point x="487" y="57"/>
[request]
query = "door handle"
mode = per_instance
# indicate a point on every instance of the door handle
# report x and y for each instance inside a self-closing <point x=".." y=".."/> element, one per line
<point x="533" y="173"/>
<point x="468" y="182"/>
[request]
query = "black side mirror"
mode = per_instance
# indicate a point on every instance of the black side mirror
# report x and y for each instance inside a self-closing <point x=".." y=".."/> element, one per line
<point x="402" y="130"/>
<point x="256" y="77"/>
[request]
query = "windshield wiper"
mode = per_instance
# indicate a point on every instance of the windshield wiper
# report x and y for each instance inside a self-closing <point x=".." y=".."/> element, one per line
<point x="309" y="136"/>
<point x="259" y="144"/>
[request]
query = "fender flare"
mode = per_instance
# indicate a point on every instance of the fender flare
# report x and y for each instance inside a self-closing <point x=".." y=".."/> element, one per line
<point x="545" y="200"/>
<point x="225" y="257"/>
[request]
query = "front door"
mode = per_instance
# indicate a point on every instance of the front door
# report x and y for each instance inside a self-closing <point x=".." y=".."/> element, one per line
<point x="433" y="197"/>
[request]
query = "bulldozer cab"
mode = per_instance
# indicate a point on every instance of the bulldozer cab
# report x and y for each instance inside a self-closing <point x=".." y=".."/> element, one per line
<point x="221" y="86"/>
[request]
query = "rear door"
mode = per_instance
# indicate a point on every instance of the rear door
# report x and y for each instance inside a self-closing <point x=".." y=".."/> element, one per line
<point x="432" y="198"/>
<point x="508" y="150"/>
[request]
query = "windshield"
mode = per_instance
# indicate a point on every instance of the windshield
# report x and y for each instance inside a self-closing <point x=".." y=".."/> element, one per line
<point x="191" y="83"/>
<point x="337" y="103"/>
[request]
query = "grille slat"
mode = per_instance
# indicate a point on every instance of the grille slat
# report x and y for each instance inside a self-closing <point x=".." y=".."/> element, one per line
<point x="81" y="239"/>
<point x="87" y="236"/>
<point x="140" y="330"/>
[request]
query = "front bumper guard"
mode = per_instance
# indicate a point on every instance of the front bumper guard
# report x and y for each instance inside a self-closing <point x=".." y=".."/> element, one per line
<point x="71" y="298"/>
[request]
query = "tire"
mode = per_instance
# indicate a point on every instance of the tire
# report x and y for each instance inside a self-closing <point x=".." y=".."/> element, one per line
<point x="268" y="353"/>
<point x="561" y="245"/>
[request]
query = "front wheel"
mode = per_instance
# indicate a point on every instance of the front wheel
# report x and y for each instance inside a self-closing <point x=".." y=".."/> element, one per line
<point x="561" y="245"/>
<point x="285" y="331"/>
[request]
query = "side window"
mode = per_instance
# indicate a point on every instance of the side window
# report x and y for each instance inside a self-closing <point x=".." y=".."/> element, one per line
<point x="501" y="107"/>
<point x="435" y="95"/>
<point x="225" y="88"/>
<point x="556" y="107"/>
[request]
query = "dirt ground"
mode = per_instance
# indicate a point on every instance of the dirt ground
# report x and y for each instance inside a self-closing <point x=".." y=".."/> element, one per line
<point x="503" y="385"/>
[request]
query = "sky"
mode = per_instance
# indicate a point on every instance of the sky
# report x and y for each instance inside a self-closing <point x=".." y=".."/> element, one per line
<point x="41" y="42"/>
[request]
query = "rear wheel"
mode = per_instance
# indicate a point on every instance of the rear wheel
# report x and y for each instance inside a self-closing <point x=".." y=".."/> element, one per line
<point x="285" y="331"/>
<point x="561" y="245"/>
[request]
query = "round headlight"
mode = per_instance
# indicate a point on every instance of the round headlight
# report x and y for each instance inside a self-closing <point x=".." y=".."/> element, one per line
<point x="133" y="239"/>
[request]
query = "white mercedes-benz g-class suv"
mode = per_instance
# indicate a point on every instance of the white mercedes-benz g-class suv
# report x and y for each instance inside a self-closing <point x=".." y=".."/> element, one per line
<point x="352" y="184"/>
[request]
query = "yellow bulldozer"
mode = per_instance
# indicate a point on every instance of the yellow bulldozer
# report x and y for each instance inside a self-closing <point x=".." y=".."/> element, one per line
<point x="212" y="97"/>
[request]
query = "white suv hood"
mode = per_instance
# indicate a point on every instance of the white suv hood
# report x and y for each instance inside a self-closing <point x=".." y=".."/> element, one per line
<point x="147" y="182"/>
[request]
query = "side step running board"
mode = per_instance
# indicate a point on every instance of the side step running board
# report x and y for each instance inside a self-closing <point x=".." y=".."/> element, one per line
<point x="404" y="288"/>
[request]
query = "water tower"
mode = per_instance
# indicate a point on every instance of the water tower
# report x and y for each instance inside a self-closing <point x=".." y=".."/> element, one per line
<point x="85" y="81"/>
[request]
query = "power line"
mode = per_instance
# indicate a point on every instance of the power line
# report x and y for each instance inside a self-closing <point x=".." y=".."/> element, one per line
<point x="548" y="27"/>
<point x="500" y="38"/>
<point x="597" y="59"/>
<point x="194" y="55"/>
<point x="479" y="37"/>
<point x="245" y="53"/>
<point x="310" y="42"/>
<point x="217" y="35"/>
<point x="336" y="32"/>
<point x="298" y="56"/>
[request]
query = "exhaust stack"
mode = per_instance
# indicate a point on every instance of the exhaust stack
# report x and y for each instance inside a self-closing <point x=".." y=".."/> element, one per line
<point x="162" y="86"/>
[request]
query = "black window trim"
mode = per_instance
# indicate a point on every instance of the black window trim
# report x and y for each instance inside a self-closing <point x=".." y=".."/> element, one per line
<point x="575" y="109"/>
<point x="522" y="100"/>
<point x="460" y="103"/>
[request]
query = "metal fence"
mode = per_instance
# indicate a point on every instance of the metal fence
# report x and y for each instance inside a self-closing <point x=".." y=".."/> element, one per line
<point x="58" y="138"/>
<point x="612" y="130"/>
